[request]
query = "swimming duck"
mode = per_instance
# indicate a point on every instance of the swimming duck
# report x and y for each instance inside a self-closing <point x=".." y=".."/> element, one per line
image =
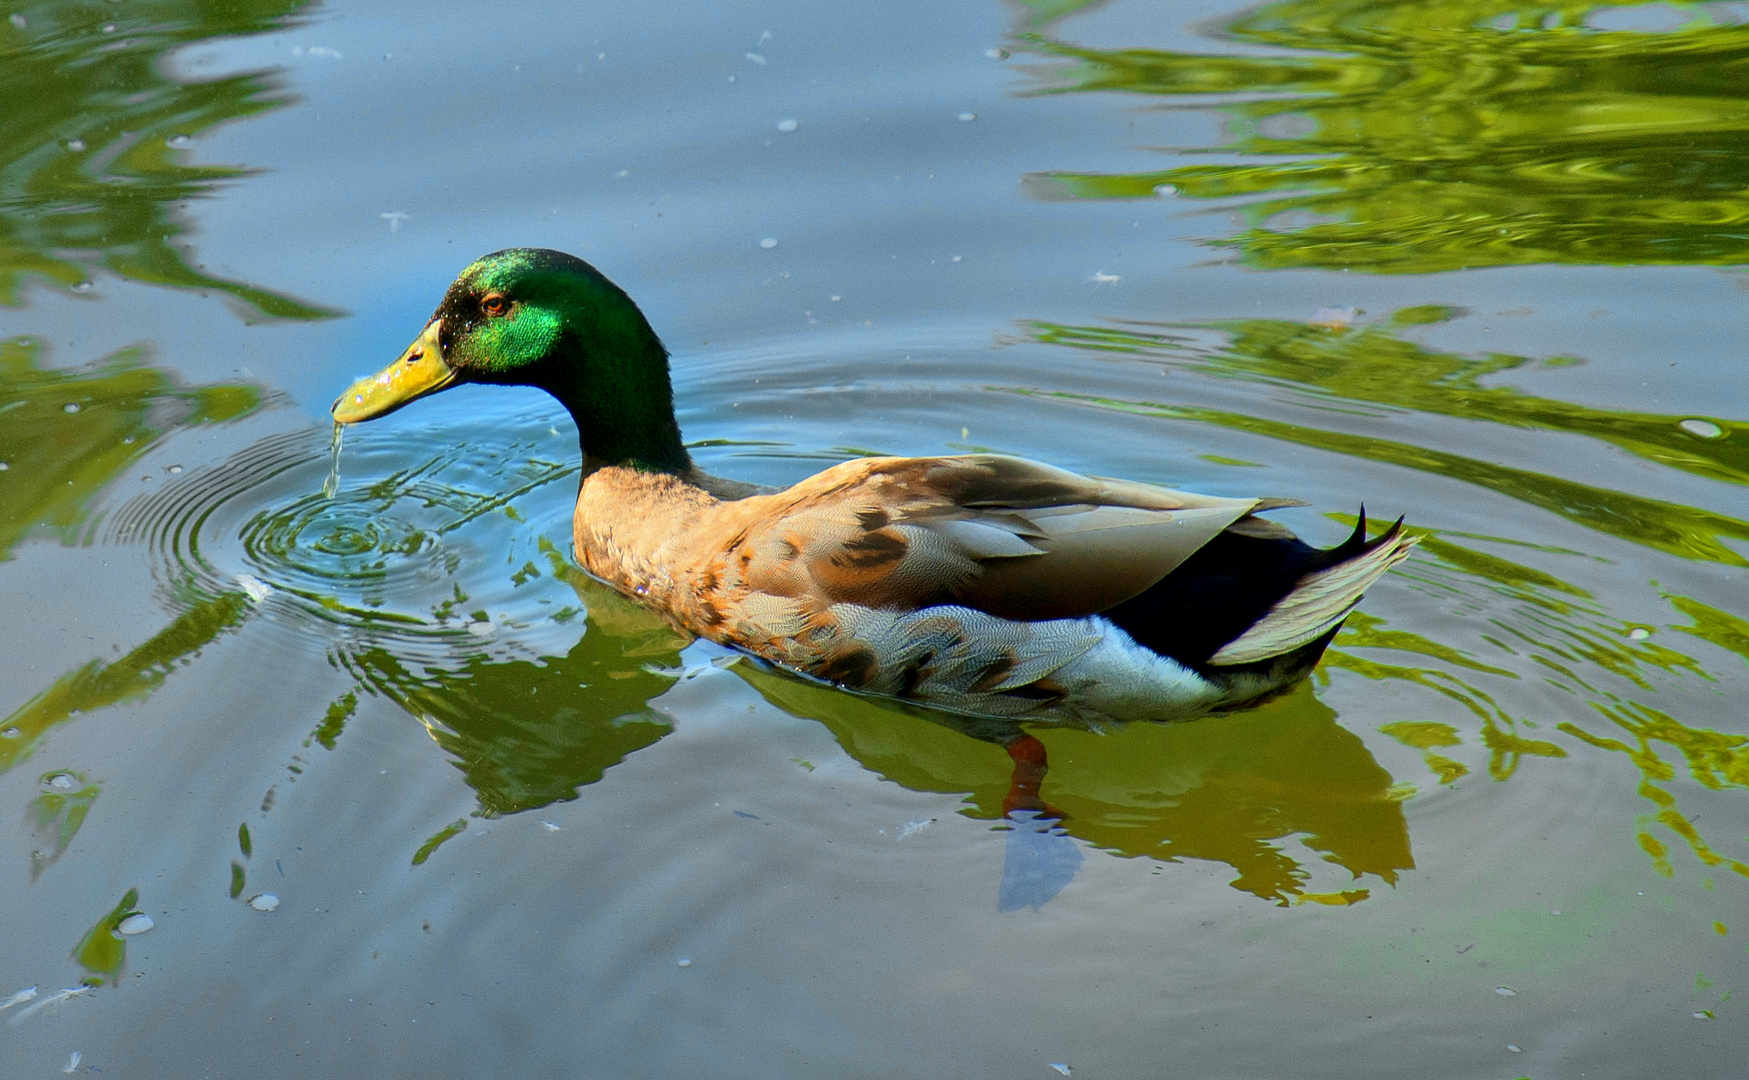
<point x="977" y="583"/>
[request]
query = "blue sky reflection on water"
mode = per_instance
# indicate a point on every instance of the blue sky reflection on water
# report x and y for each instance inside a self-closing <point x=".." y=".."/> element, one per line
<point x="498" y="804"/>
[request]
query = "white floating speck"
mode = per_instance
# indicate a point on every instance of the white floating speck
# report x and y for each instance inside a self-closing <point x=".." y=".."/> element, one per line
<point x="10" y="733"/>
<point x="1505" y="991"/>
<point x="915" y="827"/>
<point x="18" y="20"/>
<point x="19" y="998"/>
<point x="70" y="407"/>
<point x="1706" y="429"/>
<point x="62" y="781"/>
<point x="768" y="243"/>
<point x="956" y="258"/>
<point x="684" y="961"/>
<point x="109" y="28"/>
<point x="264" y="901"/>
<point x="996" y="54"/>
<point x="179" y="142"/>
<point x="1060" y="1067"/>
<point x="756" y="58"/>
<point x="835" y="299"/>
<point x="968" y="116"/>
<point x="550" y="827"/>
<point x="1165" y="189"/>
<point x="83" y="287"/>
<point x="256" y="589"/>
<point x="622" y="174"/>
<point x="1639" y="633"/>
<point x="1102" y="278"/>
<point x="787" y="125"/>
<point x="323" y="51"/>
<point x="72" y="1062"/>
<point x="75" y="145"/>
<point x="1706" y="1014"/>
<point x="4" y="466"/>
<point x="394" y="218"/>
<point x="1514" y="1049"/>
<point x="480" y="628"/>
<point x="137" y="923"/>
<point x="1334" y="318"/>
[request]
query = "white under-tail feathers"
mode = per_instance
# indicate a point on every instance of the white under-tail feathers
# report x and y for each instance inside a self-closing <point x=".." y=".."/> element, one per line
<point x="1317" y="604"/>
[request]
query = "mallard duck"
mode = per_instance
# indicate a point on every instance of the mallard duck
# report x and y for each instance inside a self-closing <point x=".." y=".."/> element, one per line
<point x="976" y="583"/>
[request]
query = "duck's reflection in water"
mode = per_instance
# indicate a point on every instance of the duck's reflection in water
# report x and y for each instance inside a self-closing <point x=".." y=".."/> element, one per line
<point x="1233" y="789"/>
<point x="1257" y="790"/>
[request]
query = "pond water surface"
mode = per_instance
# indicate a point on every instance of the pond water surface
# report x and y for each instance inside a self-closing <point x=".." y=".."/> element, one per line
<point x="400" y="791"/>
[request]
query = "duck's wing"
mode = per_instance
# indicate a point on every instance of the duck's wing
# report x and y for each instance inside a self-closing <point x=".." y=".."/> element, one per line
<point x="1007" y="536"/>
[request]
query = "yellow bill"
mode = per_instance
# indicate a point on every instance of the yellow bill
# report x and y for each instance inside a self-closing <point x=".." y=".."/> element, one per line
<point x="421" y="370"/>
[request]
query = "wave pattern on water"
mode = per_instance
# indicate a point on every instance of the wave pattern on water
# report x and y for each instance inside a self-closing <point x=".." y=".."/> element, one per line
<point x="1415" y="137"/>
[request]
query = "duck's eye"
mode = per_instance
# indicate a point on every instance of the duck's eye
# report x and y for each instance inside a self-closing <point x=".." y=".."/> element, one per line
<point x="495" y="303"/>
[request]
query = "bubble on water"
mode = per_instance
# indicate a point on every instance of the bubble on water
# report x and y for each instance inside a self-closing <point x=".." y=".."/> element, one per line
<point x="75" y="145"/>
<point x="264" y="901"/>
<point x="1514" y="1048"/>
<point x="179" y="142"/>
<point x="83" y="287"/>
<point x="70" y="407"/>
<point x="137" y="923"/>
<point x="9" y="733"/>
<point x="968" y="116"/>
<point x="108" y="28"/>
<point x="1706" y="429"/>
<point x="1165" y="189"/>
<point x="1505" y="991"/>
<point x="256" y="589"/>
<point x="787" y="125"/>
<point x="996" y="54"/>
<point x="1639" y="633"/>
<point x="768" y="243"/>
<point x="4" y="466"/>
<point x="684" y="961"/>
<point x="174" y="469"/>
<point x="62" y="781"/>
<point x="18" y="21"/>
<point x="127" y="440"/>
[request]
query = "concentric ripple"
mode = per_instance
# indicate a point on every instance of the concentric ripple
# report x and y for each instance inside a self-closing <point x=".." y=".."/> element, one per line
<point x="430" y="538"/>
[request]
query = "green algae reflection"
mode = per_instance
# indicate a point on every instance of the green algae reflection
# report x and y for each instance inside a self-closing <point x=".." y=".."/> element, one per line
<point x="66" y="434"/>
<point x="1375" y="369"/>
<point x="93" y="136"/>
<point x="1416" y="136"/>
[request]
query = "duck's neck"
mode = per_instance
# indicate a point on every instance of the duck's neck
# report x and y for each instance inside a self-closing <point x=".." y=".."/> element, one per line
<point x="623" y="406"/>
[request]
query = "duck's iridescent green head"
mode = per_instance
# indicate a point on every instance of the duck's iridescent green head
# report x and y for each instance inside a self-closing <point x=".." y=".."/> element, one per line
<point x="535" y="317"/>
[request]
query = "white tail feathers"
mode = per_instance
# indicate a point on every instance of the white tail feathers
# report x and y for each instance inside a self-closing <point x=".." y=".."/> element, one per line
<point x="1318" y="603"/>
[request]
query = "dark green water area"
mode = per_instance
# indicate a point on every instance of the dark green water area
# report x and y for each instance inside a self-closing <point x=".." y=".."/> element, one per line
<point x="334" y="775"/>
